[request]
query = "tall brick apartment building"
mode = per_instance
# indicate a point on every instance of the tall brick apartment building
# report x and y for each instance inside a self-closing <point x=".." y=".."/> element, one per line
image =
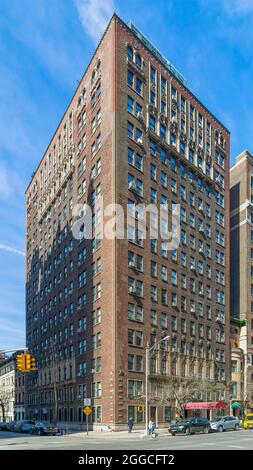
<point x="241" y="226"/>
<point x="133" y="132"/>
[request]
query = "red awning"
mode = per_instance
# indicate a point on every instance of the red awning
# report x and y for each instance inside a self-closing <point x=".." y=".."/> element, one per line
<point x="209" y="405"/>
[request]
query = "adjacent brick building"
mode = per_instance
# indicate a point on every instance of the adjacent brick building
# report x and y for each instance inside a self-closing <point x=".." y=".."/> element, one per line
<point x="241" y="264"/>
<point x="133" y="132"/>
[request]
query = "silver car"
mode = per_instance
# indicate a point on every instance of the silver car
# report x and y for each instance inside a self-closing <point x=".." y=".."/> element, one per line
<point x="222" y="423"/>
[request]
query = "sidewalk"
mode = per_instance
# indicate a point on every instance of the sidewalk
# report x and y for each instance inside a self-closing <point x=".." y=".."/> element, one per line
<point x="118" y="434"/>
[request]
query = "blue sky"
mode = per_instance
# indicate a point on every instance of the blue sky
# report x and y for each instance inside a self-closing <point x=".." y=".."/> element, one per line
<point x="44" y="48"/>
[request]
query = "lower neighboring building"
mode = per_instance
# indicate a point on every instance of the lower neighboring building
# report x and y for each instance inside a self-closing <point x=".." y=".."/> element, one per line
<point x="238" y="403"/>
<point x="12" y="391"/>
<point x="241" y="276"/>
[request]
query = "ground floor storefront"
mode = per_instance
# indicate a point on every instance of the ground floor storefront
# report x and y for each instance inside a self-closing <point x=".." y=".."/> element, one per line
<point x="74" y="418"/>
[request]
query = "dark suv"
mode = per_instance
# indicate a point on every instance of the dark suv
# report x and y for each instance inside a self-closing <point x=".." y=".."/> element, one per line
<point x="190" y="426"/>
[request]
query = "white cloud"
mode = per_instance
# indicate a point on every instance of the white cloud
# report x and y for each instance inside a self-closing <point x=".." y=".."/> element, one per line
<point x="12" y="250"/>
<point x="94" y="16"/>
<point x="239" y="7"/>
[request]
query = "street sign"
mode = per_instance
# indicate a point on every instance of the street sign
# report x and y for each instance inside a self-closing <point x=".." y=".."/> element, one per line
<point x="87" y="402"/>
<point x="87" y="410"/>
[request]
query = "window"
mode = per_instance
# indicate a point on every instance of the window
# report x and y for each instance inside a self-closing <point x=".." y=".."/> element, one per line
<point x="135" y="388"/>
<point x="139" y="363"/>
<point x="163" y="179"/>
<point x="173" y="139"/>
<point x="164" y="273"/>
<point x="130" y="130"/>
<point x="130" y="104"/>
<point x="152" y="74"/>
<point x="96" y="340"/>
<point x="153" y="268"/>
<point x="183" y="281"/>
<point x="153" y="171"/>
<point x="174" y="323"/>
<point x="182" y="148"/>
<point x="173" y="299"/>
<point x="163" y="85"/>
<point x="183" y="192"/>
<point x="130" y="53"/>
<point x="152" y="123"/>
<point x="96" y="389"/>
<point x="153" y="317"/>
<point x="138" y="60"/>
<point x="164" y="320"/>
<point x="164" y="296"/>
<point x="138" y="86"/>
<point x="153" y="293"/>
<point x="162" y="132"/>
<point x="173" y="185"/>
<point x="153" y="195"/>
<point x="135" y="312"/>
<point x="233" y="366"/>
<point x="174" y="278"/>
<point x="130" y="78"/>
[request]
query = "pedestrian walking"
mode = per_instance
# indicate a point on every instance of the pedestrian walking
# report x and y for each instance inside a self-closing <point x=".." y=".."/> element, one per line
<point x="151" y="428"/>
<point x="130" y="424"/>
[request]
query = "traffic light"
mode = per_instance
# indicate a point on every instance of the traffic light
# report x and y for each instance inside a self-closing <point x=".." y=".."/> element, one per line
<point x="25" y="362"/>
<point x="20" y="362"/>
<point x="33" y="363"/>
<point x="30" y="363"/>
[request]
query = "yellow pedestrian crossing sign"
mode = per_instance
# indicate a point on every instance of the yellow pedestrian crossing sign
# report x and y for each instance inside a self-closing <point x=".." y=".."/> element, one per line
<point x="87" y="410"/>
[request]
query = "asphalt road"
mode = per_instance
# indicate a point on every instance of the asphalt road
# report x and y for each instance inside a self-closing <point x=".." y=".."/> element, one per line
<point x="230" y="440"/>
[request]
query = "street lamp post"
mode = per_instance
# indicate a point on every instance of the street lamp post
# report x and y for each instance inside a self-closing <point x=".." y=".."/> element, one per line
<point x="147" y="376"/>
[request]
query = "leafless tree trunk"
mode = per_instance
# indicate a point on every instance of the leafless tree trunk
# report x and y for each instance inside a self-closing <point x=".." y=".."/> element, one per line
<point x="4" y="402"/>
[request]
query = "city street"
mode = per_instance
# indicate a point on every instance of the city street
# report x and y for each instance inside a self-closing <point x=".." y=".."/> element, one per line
<point x="231" y="440"/>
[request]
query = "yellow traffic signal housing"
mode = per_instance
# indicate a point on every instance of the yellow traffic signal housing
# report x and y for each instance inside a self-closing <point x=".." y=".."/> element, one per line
<point x="140" y="409"/>
<point x="33" y="363"/>
<point x="29" y="362"/>
<point x="20" y="362"/>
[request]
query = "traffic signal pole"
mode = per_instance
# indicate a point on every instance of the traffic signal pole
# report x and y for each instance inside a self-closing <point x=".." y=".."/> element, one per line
<point x="6" y="351"/>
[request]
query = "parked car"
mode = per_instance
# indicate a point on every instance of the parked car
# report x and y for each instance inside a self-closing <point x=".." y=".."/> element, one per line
<point x="14" y="426"/>
<point x="11" y="425"/>
<point x="224" y="423"/>
<point x="44" y="429"/>
<point x="248" y="421"/>
<point x="3" y="426"/>
<point x="190" y="426"/>
<point x="25" y="425"/>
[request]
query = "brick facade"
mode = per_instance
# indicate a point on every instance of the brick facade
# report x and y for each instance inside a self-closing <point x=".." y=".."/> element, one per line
<point x="52" y="323"/>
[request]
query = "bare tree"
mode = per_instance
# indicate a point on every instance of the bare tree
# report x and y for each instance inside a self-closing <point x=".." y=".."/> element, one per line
<point x="4" y="404"/>
<point x="184" y="390"/>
